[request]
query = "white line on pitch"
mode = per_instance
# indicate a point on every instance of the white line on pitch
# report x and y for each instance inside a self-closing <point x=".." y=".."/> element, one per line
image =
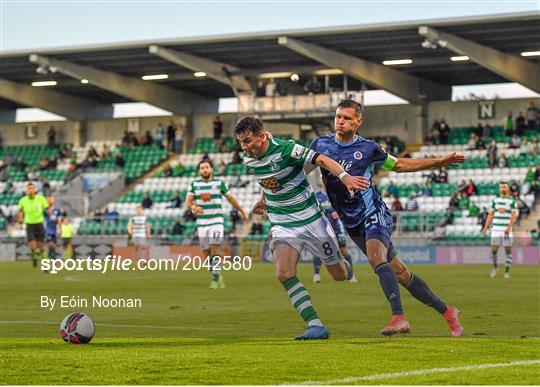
<point x="420" y="372"/>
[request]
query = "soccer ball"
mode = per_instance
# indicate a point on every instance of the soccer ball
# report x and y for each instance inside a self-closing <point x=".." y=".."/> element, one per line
<point x="77" y="328"/>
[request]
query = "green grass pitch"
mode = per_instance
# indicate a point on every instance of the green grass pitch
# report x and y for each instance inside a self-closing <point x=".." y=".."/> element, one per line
<point x="187" y="334"/>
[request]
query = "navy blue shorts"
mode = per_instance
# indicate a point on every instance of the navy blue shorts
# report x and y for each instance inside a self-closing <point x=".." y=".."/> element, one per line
<point x="376" y="226"/>
<point x="50" y="238"/>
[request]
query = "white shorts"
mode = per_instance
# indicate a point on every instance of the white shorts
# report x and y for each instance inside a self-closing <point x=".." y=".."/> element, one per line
<point x="138" y="241"/>
<point x="498" y="238"/>
<point x="318" y="238"/>
<point x="210" y="235"/>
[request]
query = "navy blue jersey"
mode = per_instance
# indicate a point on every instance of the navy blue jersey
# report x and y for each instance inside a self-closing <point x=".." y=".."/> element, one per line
<point x="356" y="157"/>
<point x="51" y="221"/>
<point x="328" y="211"/>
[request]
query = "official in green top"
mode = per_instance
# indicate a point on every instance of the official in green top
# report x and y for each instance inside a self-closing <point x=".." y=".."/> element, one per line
<point x="31" y="208"/>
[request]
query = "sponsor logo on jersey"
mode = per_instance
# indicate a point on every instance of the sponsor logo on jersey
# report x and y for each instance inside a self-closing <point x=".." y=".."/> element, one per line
<point x="297" y="151"/>
<point x="271" y="183"/>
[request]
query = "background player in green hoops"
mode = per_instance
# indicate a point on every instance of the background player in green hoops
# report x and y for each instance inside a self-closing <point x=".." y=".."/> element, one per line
<point x="297" y="219"/>
<point x="204" y="200"/>
<point x="503" y="213"/>
<point x="31" y="209"/>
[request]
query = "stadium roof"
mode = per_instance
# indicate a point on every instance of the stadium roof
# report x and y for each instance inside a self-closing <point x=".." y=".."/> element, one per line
<point x="261" y="53"/>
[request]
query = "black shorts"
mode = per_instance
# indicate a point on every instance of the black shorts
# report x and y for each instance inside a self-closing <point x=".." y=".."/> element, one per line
<point x="50" y="238"/>
<point x="35" y="232"/>
<point x="358" y="236"/>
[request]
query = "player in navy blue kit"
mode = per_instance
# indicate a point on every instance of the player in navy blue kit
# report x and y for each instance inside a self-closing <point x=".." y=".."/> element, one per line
<point x="339" y="230"/>
<point x="368" y="220"/>
<point x="52" y="217"/>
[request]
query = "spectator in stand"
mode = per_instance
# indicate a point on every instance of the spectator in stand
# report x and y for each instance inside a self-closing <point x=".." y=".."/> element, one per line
<point x="313" y="86"/>
<point x="189" y="216"/>
<point x="93" y="161"/>
<point x="53" y="163"/>
<point x="177" y="229"/>
<point x="492" y="154"/>
<point x="416" y="190"/>
<point x="179" y="139"/>
<point x="411" y="204"/>
<point x="125" y="138"/>
<point x="525" y="148"/>
<point x="535" y="146"/>
<point x="471" y="188"/>
<point x="32" y="175"/>
<point x="515" y="141"/>
<point x="462" y="187"/>
<point x="51" y="137"/>
<point x="426" y="191"/>
<point x="442" y="177"/>
<point x="520" y="124"/>
<point x="449" y="216"/>
<point x="479" y="130"/>
<point x="235" y="217"/>
<point x="483" y="217"/>
<point x="168" y="171"/>
<point x="133" y="139"/>
<point x="3" y="172"/>
<point x="514" y="187"/>
<point x="526" y="187"/>
<point x="432" y="136"/>
<point x="474" y="210"/>
<point x="432" y="178"/>
<point x="487" y="131"/>
<point x="444" y="131"/>
<point x="522" y="207"/>
<point x="218" y="128"/>
<point x="256" y="229"/>
<point x="463" y="201"/>
<point x="396" y="204"/>
<point x="159" y="135"/>
<point x="473" y="141"/>
<point x="171" y="130"/>
<point x="237" y="158"/>
<point x="508" y="125"/>
<point x="105" y="153"/>
<point x="393" y="189"/>
<point x="147" y="202"/>
<point x="175" y="202"/>
<point x="119" y="160"/>
<point x="43" y="164"/>
<point x="45" y="186"/>
<point x="147" y="138"/>
<point x="480" y="144"/>
<point x="532" y="115"/>
<point x="440" y="231"/>
<point x="535" y="189"/>
<point x="537" y="173"/>
<point x="8" y="160"/>
<point x="260" y="91"/>
<point x="270" y="89"/>
<point x="20" y="164"/>
<point x="436" y="126"/>
<point x="9" y="188"/>
<point x="391" y="145"/>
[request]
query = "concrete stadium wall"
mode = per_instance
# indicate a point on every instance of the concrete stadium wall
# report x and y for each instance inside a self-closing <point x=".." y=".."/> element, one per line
<point x="15" y="134"/>
<point x="465" y="113"/>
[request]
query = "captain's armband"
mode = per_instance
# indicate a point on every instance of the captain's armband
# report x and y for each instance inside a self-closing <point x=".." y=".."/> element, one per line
<point x="389" y="163"/>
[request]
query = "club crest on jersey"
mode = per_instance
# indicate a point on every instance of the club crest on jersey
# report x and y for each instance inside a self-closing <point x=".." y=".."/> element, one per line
<point x="358" y="155"/>
<point x="274" y="166"/>
<point x="271" y="183"/>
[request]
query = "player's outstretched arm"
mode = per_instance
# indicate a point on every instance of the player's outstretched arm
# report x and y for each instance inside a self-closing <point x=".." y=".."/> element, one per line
<point x="234" y="202"/>
<point x="413" y="165"/>
<point x="351" y="182"/>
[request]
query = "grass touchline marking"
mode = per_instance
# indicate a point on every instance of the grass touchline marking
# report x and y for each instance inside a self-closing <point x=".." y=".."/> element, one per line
<point x="421" y="372"/>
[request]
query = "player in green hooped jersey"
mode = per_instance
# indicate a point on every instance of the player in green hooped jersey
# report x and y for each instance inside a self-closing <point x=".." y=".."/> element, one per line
<point x="31" y="208"/>
<point x="297" y="219"/>
<point x="204" y="199"/>
<point x="503" y="213"/>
